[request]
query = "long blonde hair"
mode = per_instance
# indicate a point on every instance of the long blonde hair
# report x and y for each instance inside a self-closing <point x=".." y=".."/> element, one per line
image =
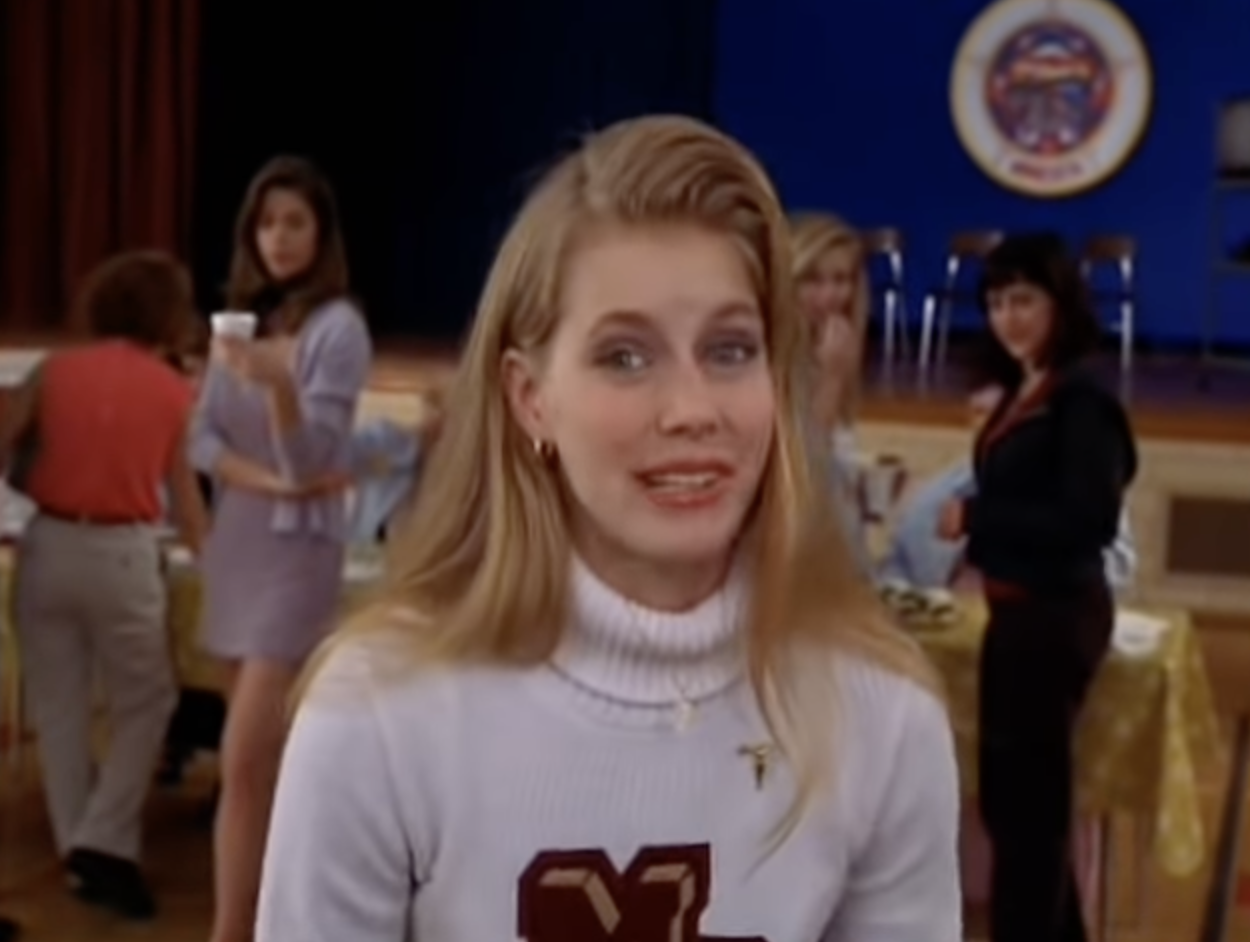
<point x="481" y="567"/>
<point x="813" y="236"/>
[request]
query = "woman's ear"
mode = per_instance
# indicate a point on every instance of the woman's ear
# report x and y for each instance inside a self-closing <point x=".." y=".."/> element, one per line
<point x="523" y="388"/>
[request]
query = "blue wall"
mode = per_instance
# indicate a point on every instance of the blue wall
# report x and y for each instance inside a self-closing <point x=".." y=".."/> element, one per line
<point x="847" y="105"/>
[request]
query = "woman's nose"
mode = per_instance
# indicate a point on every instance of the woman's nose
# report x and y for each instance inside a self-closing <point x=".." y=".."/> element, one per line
<point x="689" y="403"/>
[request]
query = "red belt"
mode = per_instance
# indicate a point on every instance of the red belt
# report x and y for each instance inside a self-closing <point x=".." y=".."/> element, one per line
<point x="95" y="520"/>
<point x="1003" y="591"/>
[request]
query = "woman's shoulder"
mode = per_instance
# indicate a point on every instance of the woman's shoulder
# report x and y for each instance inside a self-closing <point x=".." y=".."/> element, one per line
<point x="370" y="653"/>
<point x="342" y="309"/>
<point x="148" y="375"/>
<point x="883" y="688"/>
<point x="336" y="320"/>
<point x="336" y="332"/>
<point x="375" y="666"/>
<point x="1079" y="388"/>
<point x="878" y="693"/>
<point x="1084" y="400"/>
<point x="886" y="711"/>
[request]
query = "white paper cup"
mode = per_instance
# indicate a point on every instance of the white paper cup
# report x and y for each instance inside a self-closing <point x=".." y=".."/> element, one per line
<point x="883" y="483"/>
<point x="234" y="325"/>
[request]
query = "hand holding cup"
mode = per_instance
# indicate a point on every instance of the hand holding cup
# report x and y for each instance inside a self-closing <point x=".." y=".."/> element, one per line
<point x="265" y="362"/>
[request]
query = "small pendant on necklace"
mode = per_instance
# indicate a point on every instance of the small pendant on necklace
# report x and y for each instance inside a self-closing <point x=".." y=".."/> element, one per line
<point x="685" y="715"/>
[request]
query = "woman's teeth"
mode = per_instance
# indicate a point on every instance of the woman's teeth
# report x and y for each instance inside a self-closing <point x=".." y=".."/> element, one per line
<point x="681" y="482"/>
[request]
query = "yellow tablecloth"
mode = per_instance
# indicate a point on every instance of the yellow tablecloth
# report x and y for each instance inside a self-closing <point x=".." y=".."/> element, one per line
<point x="1148" y="728"/>
<point x="195" y="668"/>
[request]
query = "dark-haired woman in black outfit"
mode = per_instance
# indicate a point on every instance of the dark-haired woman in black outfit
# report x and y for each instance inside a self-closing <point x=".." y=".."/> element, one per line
<point x="1052" y="465"/>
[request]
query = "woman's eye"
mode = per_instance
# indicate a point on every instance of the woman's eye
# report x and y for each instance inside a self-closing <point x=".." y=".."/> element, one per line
<point x="624" y="360"/>
<point x="734" y="352"/>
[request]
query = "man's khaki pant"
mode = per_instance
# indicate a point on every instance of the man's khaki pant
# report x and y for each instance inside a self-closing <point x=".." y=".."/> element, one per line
<point x="89" y="607"/>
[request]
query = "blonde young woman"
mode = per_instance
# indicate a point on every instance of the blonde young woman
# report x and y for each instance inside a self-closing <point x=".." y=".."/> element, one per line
<point x="623" y="682"/>
<point x="831" y="283"/>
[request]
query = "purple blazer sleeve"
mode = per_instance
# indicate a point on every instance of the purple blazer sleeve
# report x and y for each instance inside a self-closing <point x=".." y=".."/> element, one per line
<point x="206" y="441"/>
<point x="332" y="366"/>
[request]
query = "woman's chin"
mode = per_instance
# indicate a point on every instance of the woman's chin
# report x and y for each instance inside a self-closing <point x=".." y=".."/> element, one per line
<point x="689" y="552"/>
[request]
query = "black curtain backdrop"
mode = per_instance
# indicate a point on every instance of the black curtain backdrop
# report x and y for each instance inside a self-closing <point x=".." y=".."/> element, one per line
<point x="334" y="84"/>
<point x="430" y="120"/>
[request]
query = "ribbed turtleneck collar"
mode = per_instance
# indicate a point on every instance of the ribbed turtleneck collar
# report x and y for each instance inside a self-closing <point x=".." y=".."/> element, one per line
<point x="626" y="655"/>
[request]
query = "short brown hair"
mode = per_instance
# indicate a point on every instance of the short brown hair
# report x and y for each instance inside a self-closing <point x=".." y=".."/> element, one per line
<point x="144" y="296"/>
<point x="325" y="280"/>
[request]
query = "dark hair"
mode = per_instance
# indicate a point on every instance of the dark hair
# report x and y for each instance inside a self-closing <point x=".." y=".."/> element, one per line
<point x="1041" y="259"/>
<point x="250" y="283"/>
<point x="145" y="297"/>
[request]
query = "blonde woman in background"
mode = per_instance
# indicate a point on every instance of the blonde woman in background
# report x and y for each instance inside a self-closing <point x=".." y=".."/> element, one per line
<point x="624" y="587"/>
<point x="387" y="458"/>
<point x="831" y="283"/>
<point x="832" y="288"/>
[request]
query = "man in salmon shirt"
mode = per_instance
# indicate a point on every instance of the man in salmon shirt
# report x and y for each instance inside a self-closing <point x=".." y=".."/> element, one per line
<point x="89" y="598"/>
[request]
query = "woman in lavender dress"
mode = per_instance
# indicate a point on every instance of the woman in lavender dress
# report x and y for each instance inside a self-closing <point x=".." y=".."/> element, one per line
<point x="273" y="428"/>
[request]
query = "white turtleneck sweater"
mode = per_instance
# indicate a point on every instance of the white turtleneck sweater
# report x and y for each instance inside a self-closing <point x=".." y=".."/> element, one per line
<point x="614" y="794"/>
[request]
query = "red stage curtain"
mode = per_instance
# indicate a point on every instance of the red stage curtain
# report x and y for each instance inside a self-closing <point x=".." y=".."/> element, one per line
<point x="98" y="131"/>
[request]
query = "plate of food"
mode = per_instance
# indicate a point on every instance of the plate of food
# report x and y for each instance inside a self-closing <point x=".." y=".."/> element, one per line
<point x="919" y="607"/>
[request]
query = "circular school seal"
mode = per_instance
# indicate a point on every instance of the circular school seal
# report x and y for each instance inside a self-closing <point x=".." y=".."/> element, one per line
<point x="1050" y="97"/>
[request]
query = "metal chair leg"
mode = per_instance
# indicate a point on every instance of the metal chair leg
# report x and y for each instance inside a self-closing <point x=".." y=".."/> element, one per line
<point x="926" y="332"/>
<point x="904" y="324"/>
<point x="943" y="331"/>
<point x="953" y="265"/>
<point x="1126" y="335"/>
<point x="900" y="301"/>
<point x="890" y="317"/>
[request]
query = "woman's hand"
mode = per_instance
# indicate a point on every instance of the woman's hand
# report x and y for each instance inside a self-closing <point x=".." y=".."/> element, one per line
<point x="836" y="346"/>
<point x="837" y="352"/>
<point x="266" y="362"/>
<point x="325" y="486"/>
<point x="951" y="520"/>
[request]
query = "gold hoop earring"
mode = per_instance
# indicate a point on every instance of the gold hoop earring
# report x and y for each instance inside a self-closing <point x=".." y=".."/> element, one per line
<point x="544" y="450"/>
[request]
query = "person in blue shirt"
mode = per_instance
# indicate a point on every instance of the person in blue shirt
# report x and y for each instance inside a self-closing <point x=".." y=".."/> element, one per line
<point x="386" y="462"/>
<point x="919" y="557"/>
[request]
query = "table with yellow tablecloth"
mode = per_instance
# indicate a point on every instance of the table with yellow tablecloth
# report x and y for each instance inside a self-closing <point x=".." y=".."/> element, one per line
<point x="1148" y="728"/>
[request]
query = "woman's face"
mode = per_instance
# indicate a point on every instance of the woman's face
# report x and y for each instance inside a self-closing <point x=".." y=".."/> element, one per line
<point x="657" y="396"/>
<point x="1021" y="316"/>
<point x="286" y="234"/>
<point x="828" y="289"/>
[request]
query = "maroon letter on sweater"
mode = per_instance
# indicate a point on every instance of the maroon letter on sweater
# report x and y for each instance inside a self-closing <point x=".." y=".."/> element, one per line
<point x="578" y="896"/>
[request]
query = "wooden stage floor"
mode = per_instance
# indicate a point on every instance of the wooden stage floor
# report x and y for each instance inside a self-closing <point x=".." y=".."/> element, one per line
<point x="1165" y="395"/>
